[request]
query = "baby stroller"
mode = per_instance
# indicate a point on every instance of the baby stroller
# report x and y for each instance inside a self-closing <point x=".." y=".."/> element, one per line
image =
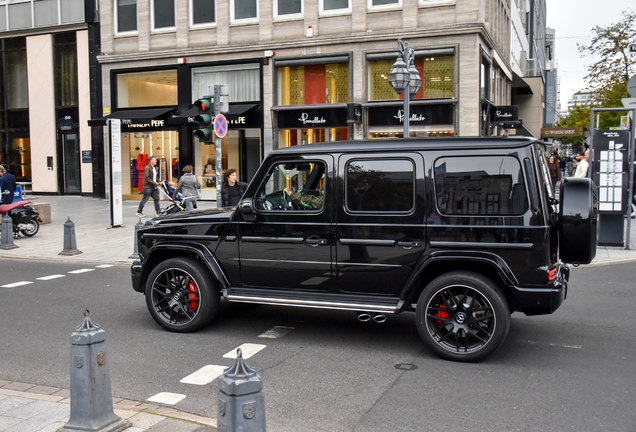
<point x="176" y="205"/>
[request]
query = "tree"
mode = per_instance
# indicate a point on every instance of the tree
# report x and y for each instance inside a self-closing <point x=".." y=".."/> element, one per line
<point x="607" y="78"/>
<point x="578" y="116"/>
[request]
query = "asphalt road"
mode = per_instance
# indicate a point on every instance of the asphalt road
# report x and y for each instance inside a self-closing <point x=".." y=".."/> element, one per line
<point x="573" y="370"/>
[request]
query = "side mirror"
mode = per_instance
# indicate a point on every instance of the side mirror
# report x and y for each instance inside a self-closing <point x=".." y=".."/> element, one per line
<point x="246" y="208"/>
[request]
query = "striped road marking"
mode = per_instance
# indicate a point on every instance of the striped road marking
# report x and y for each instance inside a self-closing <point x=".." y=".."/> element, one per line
<point x="50" y="277"/>
<point x="81" y="271"/>
<point x="15" y="284"/>
<point x="248" y="350"/>
<point x="167" y="398"/>
<point x="276" y="332"/>
<point x="104" y="266"/>
<point x="205" y="375"/>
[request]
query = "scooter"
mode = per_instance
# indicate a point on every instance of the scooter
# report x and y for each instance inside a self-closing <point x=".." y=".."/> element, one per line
<point x="26" y="219"/>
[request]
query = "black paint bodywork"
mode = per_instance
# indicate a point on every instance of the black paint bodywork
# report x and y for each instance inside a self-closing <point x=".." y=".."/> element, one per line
<point x="334" y="259"/>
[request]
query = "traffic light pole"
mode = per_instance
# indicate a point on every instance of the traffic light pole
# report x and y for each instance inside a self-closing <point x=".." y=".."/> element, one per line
<point x="218" y="148"/>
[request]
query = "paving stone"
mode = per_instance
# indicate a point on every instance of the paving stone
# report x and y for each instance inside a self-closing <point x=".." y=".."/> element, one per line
<point x="172" y="425"/>
<point x="7" y="422"/>
<point x="145" y="420"/>
<point x="18" y="386"/>
<point x="44" y="390"/>
<point x="33" y="408"/>
<point x="63" y="393"/>
<point x="54" y="414"/>
<point x="7" y="405"/>
<point x="4" y="383"/>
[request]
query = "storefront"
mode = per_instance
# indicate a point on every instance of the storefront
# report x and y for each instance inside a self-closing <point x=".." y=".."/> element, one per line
<point x="157" y="119"/>
<point x="313" y="99"/>
<point x="433" y="110"/>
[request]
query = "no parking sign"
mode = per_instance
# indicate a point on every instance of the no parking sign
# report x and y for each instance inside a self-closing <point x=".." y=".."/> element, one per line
<point x="220" y="125"/>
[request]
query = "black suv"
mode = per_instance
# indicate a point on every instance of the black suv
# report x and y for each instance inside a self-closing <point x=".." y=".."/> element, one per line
<point x="461" y="231"/>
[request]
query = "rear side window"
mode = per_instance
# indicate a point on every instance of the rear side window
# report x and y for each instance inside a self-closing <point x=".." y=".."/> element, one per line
<point x="380" y="186"/>
<point x="487" y="185"/>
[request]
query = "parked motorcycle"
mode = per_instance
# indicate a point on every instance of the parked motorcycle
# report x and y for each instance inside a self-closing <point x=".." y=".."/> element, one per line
<point x="26" y="219"/>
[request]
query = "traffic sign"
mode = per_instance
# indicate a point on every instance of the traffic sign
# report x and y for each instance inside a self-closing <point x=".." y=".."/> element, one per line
<point x="631" y="86"/>
<point x="629" y="102"/>
<point x="220" y="125"/>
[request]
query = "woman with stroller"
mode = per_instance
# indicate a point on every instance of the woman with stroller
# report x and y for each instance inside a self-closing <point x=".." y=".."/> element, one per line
<point x="189" y="186"/>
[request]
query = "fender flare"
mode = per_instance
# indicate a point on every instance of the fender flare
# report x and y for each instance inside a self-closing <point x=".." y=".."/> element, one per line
<point x="201" y="251"/>
<point x="494" y="261"/>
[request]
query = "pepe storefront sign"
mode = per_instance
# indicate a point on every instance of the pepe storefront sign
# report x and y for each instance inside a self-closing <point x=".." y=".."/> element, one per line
<point x="128" y="123"/>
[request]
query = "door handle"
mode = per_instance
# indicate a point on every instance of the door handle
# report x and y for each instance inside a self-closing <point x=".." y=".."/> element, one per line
<point x="409" y="244"/>
<point x="316" y="241"/>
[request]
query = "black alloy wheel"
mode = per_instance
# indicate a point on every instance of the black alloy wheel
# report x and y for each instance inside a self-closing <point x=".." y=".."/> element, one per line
<point x="180" y="296"/>
<point x="462" y="316"/>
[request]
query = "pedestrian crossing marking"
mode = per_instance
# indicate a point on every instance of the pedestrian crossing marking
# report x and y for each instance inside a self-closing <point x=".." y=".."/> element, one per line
<point x="205" y="375"/>
<point x="81" y="271"/>
<point x="55" y="276"/>
<point x="167" y="398"/>
<point x="15" y="284"/>
<point x="248" y="350"/>
<point x="276" y="332"/>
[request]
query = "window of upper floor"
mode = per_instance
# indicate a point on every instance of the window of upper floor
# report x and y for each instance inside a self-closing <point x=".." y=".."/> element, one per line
<point x="373" y="5"/>
<point x="202" y="13"/>
<point x="436" y="70"/>
<point x="147" y="88"/>
<point x="243" y="11"/>
<point x="162" y="15"/>
<point x="125" y="16"/>
<point x="288" y="9"/>
<point x="436" y="2"/>
<point x="311" y="84"/>
<point x="328" y="7"/>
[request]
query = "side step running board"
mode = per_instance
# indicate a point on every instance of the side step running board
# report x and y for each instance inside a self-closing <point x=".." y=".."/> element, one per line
<point x="314" y="300"/>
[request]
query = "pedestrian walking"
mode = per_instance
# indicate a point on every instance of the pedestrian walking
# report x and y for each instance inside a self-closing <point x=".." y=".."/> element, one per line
<point x="582" y="163"/>
<point x="562" y="163"/>
<point x="7" y="183"/>
<point x="555" y="170"/>
<point x="150" y="187"/>
<point x="189" y="186"/>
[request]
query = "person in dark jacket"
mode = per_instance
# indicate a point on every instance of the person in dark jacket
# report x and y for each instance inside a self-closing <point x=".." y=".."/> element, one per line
<point x="232" y="190"/>
<point x="7" y="183"/>
<point x="555" y="170"/>
<point x="189" y="186"/>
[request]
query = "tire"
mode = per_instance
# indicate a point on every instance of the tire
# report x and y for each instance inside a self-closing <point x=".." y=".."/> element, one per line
<point x="462" y="316"/>
<point x="180" y="295"/>
<point x="33" y="228"/>
<point x="578" y="220"/>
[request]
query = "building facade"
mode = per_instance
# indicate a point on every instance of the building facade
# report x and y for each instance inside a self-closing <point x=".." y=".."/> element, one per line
<point x="299" y="72"/>
<point x="48" y="86"/>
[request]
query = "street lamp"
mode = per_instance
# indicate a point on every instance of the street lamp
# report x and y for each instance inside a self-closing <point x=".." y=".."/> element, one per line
<point x="404" y="78"/>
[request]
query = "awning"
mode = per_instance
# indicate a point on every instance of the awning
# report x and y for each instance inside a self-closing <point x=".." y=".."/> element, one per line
<point x="519" y="84"/>
<point x="144" y="116"/>
<point x="238" y="109"/>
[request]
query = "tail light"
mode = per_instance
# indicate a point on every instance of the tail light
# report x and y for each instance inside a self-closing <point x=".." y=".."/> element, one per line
<point x="552" y="274"/>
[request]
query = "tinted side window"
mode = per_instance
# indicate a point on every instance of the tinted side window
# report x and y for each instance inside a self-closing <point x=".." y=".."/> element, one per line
<point x="489" y="185"/>
<point x="293" y="186"/>
<point x="386" y="185"/>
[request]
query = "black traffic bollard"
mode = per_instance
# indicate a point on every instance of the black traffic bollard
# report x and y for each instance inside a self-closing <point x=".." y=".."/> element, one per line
<point x="70" y="245"/>
<point x="135" y="254"/>
<point x="6" y="240"/>
<point x="241" y="406"/>
<point x="91" y="396"/>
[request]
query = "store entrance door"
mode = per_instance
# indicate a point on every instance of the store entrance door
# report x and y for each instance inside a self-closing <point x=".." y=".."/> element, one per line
<point x="70" y="163"/>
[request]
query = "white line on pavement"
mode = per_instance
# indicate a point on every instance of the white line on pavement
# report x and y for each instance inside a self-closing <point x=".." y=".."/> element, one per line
<point x="81" y="271"/>
<point x="276" y="332"/>
<point x="15" y="284"/>
<point x="205" y="375"/>
<point x="248" y="350"/>
<point x="166" y="398"/>
<point x="104" y="266"/>
<point x="50" y="277"/>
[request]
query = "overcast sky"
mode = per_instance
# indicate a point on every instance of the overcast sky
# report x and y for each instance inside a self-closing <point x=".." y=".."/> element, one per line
<point x="573" y="21"/>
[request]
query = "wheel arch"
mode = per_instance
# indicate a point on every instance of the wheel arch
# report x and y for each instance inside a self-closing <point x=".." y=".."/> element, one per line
<point x="486" y="264"/>
<point x="165" y="251"/>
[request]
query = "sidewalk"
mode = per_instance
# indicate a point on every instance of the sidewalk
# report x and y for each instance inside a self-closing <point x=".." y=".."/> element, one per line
<point x="30" y="408"/>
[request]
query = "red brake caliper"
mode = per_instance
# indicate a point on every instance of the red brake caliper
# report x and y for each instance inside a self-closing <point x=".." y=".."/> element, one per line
<point x="442" y="314"/>
<point x="193" y="304"/>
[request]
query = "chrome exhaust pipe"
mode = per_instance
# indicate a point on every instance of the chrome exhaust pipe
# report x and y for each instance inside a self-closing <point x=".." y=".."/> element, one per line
<point x="364" y="316"/>
<point x="379" y="318"/>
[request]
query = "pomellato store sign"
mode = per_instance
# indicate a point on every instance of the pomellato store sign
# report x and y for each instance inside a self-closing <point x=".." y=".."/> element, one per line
<point x="418" y="115"/>
<point x="312" y="118"/>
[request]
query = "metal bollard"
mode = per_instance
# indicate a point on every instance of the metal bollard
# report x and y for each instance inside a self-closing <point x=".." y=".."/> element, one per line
<point x="6" y="240"/>
<point x="91" y="397"/>
<point x="135" y="254"/>
<point x="241" y="406"/>
<point x="70" y="245"/>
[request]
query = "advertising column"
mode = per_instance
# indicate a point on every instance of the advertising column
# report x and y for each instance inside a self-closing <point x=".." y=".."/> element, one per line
<point x="116" y="205"/>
